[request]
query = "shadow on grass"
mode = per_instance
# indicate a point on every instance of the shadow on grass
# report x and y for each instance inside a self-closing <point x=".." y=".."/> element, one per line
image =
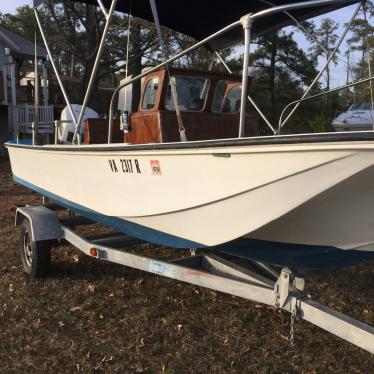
<point x="75" y="265"/>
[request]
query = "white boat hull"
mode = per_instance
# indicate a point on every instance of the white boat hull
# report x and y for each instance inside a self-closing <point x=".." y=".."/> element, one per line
<point x="316" y="193"/>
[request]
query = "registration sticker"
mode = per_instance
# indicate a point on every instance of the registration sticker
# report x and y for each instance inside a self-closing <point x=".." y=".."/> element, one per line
<point x="156" y="169"/>
<point x="161" y="268"/>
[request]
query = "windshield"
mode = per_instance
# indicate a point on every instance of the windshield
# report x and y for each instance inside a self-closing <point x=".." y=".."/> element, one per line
<point x="226" y="99"/>
<point x="191" y="93"/>
<point x="150" y="93"/>
<point x="360" y="106"/>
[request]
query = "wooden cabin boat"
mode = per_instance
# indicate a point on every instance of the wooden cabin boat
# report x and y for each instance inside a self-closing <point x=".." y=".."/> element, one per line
<point x="209" y="103"/>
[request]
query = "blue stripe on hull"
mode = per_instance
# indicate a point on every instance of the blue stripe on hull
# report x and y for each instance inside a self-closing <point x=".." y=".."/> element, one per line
<point x="127" y="227"/>
<point x="299" y="256"/>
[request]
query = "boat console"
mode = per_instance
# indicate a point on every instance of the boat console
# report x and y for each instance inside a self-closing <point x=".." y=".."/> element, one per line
<point x="209" y="105"/>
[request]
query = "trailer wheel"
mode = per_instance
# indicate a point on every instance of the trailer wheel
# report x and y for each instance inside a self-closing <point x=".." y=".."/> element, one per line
<point x="35" y="256"/>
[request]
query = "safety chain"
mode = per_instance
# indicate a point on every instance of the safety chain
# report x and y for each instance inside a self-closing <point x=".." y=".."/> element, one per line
<point x="277" y="300"/>
<point x="292" y="329"/>
<point x="295" y="315"/>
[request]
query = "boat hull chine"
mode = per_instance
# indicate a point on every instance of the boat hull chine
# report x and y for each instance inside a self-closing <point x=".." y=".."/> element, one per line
<point x="117" y="223"/>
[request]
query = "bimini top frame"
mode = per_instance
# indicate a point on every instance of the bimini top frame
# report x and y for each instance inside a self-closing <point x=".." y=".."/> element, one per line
<point x="273" y="17"/>
<point x="199" y="19"/>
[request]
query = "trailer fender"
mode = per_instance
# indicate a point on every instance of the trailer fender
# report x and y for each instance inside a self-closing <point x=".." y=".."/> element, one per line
<point x="44" y="223"/>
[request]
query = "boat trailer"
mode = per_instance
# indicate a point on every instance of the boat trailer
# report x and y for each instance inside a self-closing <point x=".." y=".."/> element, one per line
<point x="41" y="228"/>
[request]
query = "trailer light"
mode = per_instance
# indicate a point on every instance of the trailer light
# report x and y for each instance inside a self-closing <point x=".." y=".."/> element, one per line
<point x="93" y="251"/>
<point x="13" y="209"/>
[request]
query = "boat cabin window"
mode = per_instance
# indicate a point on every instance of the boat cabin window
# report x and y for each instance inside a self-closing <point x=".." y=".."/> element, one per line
<point x="354" y="106"/>
<point x="191" y="93"/>
<point x="366" y="106"/>
<point x="226" y="99"/>
<point x="360" y="106"/>
<point x="150" y="93"/>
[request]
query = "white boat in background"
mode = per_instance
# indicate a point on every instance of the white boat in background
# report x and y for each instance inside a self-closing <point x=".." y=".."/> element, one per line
<point x="358" y="117"/>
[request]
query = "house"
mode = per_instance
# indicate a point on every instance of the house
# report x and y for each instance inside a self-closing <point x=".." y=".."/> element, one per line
<point x="17" y="94"/>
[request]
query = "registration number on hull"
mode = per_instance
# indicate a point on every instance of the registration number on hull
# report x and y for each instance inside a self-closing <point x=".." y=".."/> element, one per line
<point x="125" y="165"/>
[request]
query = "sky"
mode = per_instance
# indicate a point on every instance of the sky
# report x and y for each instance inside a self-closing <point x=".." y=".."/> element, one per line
<point x="9" y="6"/>
<point x="341" y="16"/>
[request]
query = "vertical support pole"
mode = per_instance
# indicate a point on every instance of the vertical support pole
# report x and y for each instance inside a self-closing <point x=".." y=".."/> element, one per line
<point x="13" y="108"/>
<point x="369" y="66"/>
<point x="246" y="22"/>
<point x="56" y="131"/>
<point x="94" y="72"/>
<point x="9" y="90"/>
<point x="36" y="93"/>
<point x="13" y="82"/>
<point x="45" y="84"/>
<point x="348" y="54"/>
<point x="36" y="75"/>
<point x="371" y="87"/>
<point x="33" y="129"/>
<point x="5" y="87"/>
<point x="127" y="56"/>
<point x="55" y="67"/>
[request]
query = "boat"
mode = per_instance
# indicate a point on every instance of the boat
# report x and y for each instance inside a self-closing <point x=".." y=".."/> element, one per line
<point x="190" y="169"/>
<point x="358" y="117"/>
<point x="184" y="173"/>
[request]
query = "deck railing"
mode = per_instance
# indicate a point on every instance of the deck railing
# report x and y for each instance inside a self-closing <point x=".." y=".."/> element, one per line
<point x="26" y="115"/>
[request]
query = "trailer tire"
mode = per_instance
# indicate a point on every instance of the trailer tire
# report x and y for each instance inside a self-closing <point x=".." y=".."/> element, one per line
<point x="35" y="256"/>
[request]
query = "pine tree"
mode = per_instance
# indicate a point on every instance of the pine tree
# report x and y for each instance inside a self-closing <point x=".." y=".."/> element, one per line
<point x="327" y="38"/>
<point x="279" y="59"/>
<point x="362" y="41"/>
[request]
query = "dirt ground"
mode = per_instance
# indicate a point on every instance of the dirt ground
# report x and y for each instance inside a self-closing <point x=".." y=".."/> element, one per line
<point x="89" y="316"/>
